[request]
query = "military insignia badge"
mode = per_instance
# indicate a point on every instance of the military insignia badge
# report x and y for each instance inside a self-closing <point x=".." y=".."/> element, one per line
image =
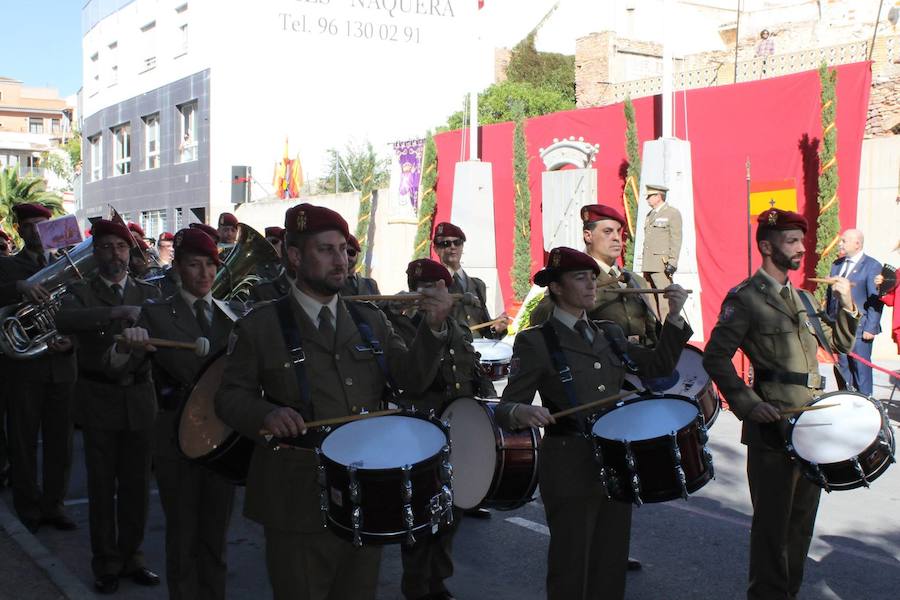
<point x="418" y="270"/>
<point x="301" y="221"/>
<point x="554" y="260"/>
<point x="727" y="313"/>
<point x="440" y="230"/>
<point x="514" y="365"/>
<point x="773" y="218"/>
<point x="584" y="214"/>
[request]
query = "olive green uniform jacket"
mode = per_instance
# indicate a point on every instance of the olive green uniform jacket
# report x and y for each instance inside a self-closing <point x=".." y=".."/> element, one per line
<point x="662" y="239"/>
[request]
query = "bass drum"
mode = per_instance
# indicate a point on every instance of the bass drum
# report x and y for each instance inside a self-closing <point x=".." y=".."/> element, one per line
<point x="492" y="467"/>
<point x="203" y="437"/>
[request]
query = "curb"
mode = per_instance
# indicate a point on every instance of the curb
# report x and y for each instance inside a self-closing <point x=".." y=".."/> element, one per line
<point x="69" y="585"/>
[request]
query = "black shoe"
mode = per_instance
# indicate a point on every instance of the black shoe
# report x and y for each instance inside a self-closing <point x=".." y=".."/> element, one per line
<point x="478" y="513"/>
<point x="106" y="584"/>
<point x="144" y="576"/>
<point x="32" y="525"/>
<point x="61" y="522"/>
<point x="634" y="565"/>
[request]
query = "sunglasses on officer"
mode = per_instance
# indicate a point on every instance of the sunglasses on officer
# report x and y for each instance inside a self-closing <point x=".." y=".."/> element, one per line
<point x="447" y="243"/>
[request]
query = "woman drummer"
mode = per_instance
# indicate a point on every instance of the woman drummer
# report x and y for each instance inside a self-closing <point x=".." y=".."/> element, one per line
<point x="588" y="531"/>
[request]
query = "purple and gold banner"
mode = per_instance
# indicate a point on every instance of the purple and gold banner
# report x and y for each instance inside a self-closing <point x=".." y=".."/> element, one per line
<point x="407" y="173"/>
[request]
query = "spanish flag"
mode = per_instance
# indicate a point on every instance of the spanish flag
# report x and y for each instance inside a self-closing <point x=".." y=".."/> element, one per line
<point x="772" y="194"/>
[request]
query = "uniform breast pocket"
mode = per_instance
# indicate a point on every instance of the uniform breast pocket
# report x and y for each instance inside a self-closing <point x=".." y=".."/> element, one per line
<point x="365" y="368"/>
<point x="776" y="337"/>
<point x="277" y="380"/>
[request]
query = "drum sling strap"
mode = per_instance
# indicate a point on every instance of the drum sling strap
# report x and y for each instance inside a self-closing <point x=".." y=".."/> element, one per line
<point x="563" y="370"/>
<point x="294" y="345"/>
<point x="372" y="344"/>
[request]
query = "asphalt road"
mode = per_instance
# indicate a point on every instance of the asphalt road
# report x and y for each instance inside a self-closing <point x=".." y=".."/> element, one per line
<point x="693" y="549"/>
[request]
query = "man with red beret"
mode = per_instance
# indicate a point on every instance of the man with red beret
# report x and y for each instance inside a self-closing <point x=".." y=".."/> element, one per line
<point x="778" y="327"/>
<point x="6" y="244"/>
<point x="208" y="230"/>
<point x="316" y="356"/>
<point x="165" y="249"/>
<point x="275" y="236"/>
<point x="357" y="285"/>
<point x="448" y="242"/>
<point x="589" y="533"/>
<point x="38" y="390"/>
<point x="116" y="411"/>
<point x="603" y="232"/>
<point x="196" y="501"/>
<point x="228" y="228"/>
<point x="428" y="562"/>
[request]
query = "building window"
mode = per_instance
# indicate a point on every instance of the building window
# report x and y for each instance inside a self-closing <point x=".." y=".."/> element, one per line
<point x="151" y="141"/>
<point x="148" y="41"/>
<point x="187" y="131"/>
<point x="122" y="149"/>
<point x="153" y="222"/>
<point x="182" y="44"/>
<point x="35" y="125"/>
<point x="96" y="157"/>
<point x="179" y="219"/>
<point x="94" y="72"/>
<point x="55" y="125"/>
<point x="113" y="61"/>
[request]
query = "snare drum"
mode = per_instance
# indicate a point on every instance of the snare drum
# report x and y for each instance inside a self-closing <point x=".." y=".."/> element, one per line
<point x="495" y="357"/>
<point x="689" y="379"/>
<point x="652" y="449"/>
<point x="842" y="447"/>
<point x="386" y="479"/>
<point x="492" y="467"/>
<point x="204" y="438"/>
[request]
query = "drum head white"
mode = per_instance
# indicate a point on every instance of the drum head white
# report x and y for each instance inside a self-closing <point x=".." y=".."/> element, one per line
<point x="388" y="442"/>
<point x="837" y="433"/>
<point x="493" y="350"/>
<point x="473" y="451"/>
<point x="645" y="419"/>
<point x="690" y="378"/>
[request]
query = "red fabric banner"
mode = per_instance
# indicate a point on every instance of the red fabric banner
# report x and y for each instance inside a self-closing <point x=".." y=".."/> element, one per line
<point x="773" y="122"/>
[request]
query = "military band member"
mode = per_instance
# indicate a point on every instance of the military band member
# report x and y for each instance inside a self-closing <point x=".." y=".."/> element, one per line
<point x="164" y="248"/>
<point x="767" y="318"/>
<point x="278" y="287"/>
<point x="228" y="229"/>
<point x="589" y="533"/>
<point x="6" y="244"/>
<point x="357" y="285"/>
<point x="38" y="391"/>
<point x="448" y="243"/>
<point x="304" y="559"/>
<point x="603" y="229"/>
<point x="208" y="230"/>
<point x="662" y="242"/>
<point x="116" y="411"/>
<point x="196" y="501"/>
<point x="428" y="562"/>
<point x="275" y="236"/>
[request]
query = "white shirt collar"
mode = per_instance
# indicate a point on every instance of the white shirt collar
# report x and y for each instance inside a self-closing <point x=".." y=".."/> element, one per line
<point x="311" y="306"/>
<point x="190" y="298"/>
<point x="121" y="283"/>
<point x="567" y="318"/>
<point x="605" y="267"/>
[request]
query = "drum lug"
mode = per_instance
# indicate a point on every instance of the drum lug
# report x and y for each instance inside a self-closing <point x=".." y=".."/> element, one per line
<point x="682" y="481"/>
<point x="636" y="489"/>
<point x="446" y="467"/>
<point x="356" y="520"/>
<point x="447" y="499"/>
<point x="859" y="471"/>
<point x="408" y="522"/>
<point x="354" y="486"/>
<point x="407" y="484"/>
<point x="323" y="506"/>
<point x="702" y="431"/>
<point x="819" y="477"/>
<point x="320" y="469"/>
<point x="602" y="476"/>
<point x="676" y="451"/>
<point x="629" y="458"/>
<point x="707" y="456"/>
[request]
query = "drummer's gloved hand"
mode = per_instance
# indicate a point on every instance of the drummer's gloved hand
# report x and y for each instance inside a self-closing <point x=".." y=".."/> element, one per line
<point x="284" y="422"/>
<point x="764" y="413"/>
<point x="526" y="415"/>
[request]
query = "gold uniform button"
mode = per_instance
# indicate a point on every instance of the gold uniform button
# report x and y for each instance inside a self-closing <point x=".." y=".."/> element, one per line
<point x="354" y="410"/>
<point x="287" y="365"/>
<point x="601" y="388"/>
<point x="337" y="357"/>
<point x="458" y="386"/>
<point x="454" y="367"/>
<point x="452" y="351"/>
<point x="348" y="381"/>
<point x="597" y="365"/>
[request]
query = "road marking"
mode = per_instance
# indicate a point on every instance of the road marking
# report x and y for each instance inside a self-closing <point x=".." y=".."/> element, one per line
<point x="536" y="527"/>
<point x="78" y="501"/>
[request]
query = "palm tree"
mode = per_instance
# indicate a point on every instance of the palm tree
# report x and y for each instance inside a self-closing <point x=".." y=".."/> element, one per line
<point x="15" y="190"/>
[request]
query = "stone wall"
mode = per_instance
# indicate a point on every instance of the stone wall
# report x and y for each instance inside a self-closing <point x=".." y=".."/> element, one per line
<point x="884" y="109"/>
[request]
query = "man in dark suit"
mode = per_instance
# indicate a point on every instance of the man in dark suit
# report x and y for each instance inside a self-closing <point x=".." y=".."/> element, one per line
<point x="197" y="502"/>
<point x="861" y="270"/>
<point x="448" y="245"/>
<point x="38" y="392"/>
<point x="116" y="411"/>
<point x="341" y="376"/>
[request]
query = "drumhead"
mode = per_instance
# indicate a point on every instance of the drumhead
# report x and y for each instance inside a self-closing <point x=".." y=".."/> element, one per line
<point x="645" y="419"/>
<point x="473" y="451"/>
<point x="493" y="350"/>
<point x="388" y="442"/>
<point x="689" y="379"/>
<point x="200" y="431"/>
<point x="837" y="433"/>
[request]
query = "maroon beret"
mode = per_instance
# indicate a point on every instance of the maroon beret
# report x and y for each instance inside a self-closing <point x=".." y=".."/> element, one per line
<point x="193" y="240"/>
<point x="448" y="230"/>
<point x="564" y="259"/>
<point x="591" y="213"/>
<point x="31" y="211"/>
<point x="166" y="236"/>
<point x="137" y="229"/>
<point x="5" y="236"/>
<point x="275" y="232"/>
<point x="208" y="230"/>
<point x="353" y="243"/>
<point x="228" y="219"/>
<point x="307" y="218"/>
<point x="781" y="220"/>
<point x="425" y="269"/>
<point x="103" y="227"/>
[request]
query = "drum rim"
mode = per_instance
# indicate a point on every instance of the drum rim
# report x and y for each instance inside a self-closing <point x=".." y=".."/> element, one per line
<point x="179" y="415"/>
<point x="641" y="398"/>
<point x="481" y="406"/>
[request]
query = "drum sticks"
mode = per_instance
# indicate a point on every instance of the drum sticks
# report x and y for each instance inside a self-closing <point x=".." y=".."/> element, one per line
<point x="338" y="421"/>
<point x="414" y="297"/>
<point x="793" y="411"/>
<point x="595" y="404"/>
<point x="828" y="280"/>
<point x="486" y="324"/>
<point x="200" y="346"/>
<point x="640" y="291"/>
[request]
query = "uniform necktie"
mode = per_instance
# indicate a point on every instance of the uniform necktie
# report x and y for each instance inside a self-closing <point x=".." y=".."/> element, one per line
<point x="202" y="320"/>
<point x="788" y="298"/>
<point x="117" y="289"/>
<point x="325" y="326"/>
<point x="583" y="328"/>
<point x="458" y="281"/>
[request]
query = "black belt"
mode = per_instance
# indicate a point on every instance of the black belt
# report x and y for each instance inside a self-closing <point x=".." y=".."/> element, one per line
<point x="813" y="381"/>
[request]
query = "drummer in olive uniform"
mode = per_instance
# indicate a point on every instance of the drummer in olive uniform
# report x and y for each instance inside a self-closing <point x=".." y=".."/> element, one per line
<point x="662" y="241"/>
<point x="428" y="562"/>
<point x="275" y="236"/>
<point x="777" y="326"/>
<point x="357" y="285"/>
<point x="603" y="230"/>
<point x="197" y="502"/>
<point x="116" y="411"/>
<point x="589" y="532"/>
<point x="339" y="375"/>
<point x="448" y="245"/>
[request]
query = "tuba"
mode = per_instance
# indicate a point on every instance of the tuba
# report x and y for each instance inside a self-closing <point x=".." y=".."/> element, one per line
<point x="251" y="260"/>
<point x="27" y="328"/>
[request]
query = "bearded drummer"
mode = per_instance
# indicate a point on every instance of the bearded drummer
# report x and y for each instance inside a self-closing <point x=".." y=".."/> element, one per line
<point x="338" y="362"/>
<point x="572" y="360"/>
<point x="428" y="562"/>
<point x="196" y="501"/>
<point x="778" y="327"/>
